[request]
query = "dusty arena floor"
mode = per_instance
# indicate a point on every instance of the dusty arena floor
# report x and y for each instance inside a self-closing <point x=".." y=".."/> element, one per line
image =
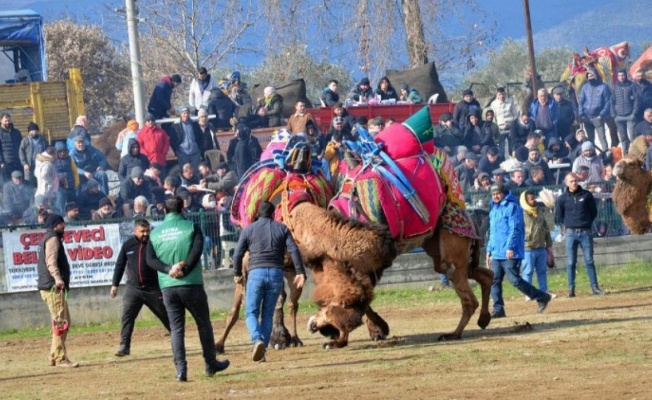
<point x="583" y="348"/>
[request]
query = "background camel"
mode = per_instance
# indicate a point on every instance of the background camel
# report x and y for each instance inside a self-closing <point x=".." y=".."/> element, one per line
<point x="631" y="194"/>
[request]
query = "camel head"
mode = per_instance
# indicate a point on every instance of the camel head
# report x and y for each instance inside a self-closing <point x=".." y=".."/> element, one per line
<point x="629" y="169"/>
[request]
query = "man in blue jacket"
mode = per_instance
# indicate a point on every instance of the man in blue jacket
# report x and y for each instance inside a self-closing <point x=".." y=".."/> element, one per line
<point x="595" y="107"/>
<point x="506" y="249"/>
<point x="545" y="112"/>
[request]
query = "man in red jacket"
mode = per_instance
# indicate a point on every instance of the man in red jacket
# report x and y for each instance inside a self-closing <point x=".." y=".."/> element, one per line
<point x="154" y="142"/>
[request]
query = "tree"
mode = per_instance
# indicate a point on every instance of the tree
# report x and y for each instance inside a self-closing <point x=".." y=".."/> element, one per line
<point x="105" y="69"/>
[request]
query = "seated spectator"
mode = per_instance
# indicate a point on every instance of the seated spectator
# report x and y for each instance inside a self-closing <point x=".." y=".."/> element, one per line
<point x="640" y="145"/>
<point x="67" y="175"/>
<point x="125" y="136"/>
<point x="72" y="212"/>
<point x="340" y="111"/>
<point x="153" y="173"/>
<point x="79" y="129"/>
<point x="556" y="153"/>
<point x="645" y="125"/>
<point x="189" y="205"/>
<point x="498" y="176"/>
<point x="188" y="181"/>
<point x="31" y="213"/>
<point x="339" y="129"/>
<point x="447" y="135"/>
<point x="490" y="161"/>
<point x="204" y="170"/>
<point x="522" y="152"/>
<point x="580" y="138"/>
<point x="135" y="186"/>
<point x="519" y="131"/>
<point x="490" y="131"/>
<point x="583" y="176"/>
<point x="270" y="108"/>
<point x="91" y="163"/>
<point x="105" y="210"/>
<point x="47" y="182"/>
<point x="482" y="182"/>
<point x="220" y="105"/>
<point x="16" y="196"/>
<point x="89" y="199"/>
<point x="517" y="179"/>
<point x="141" y="206"/>
<point x="133" y="159"/>
<point x="362" y="92"/>
<point x="315" y="139"/>
<point x="170" y="187"/>
<point x="376" y="125"/>
<point x="30" y="146"/>
<point x="589" y="159"/>
<point x="223" y="182"/>
<point x="297" y="121"/>
<point x="537" y="177"/>
<point x="460" y="156"/>
<point x="473" y="134"/>
<point x="410" y="95"/>
<point x="385" y="90"/>
<point x="247" y="150"/>
<point x="534" y="160"/>
<point x="609" y="174"/>
<point x="329" y="96"/>
<point x="466" y="171"/>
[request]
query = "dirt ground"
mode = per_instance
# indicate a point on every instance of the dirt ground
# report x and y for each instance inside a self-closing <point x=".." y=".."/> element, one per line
<point x="588" y="347"/>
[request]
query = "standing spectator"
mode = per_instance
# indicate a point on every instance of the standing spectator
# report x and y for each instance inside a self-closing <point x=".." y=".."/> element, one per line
<point x="174" y="250"/>
<point x="545" y="113"/>
<point x="271" y="107"/>
<point x="202" y="128"/>
<point x="362" y="92"/>
<point x="220" y="105"/>
<point x="519" y="131"/>
<point x="538" y="243"/>
<point x="625" y="105"/>
<point x="247" y="150"/>
<point x="297" y="122"/>
<point x="566" y="113"/>
<point x="185" y="142"/>
<point x="267" y="241"/>
<point x="448" y="136"/>
<point x="16" y="195"/>
<point x="643" y="89"/>
<point x="154" y="142"/>
<point x="90" y="163"/>
<point x="466" y="172"/>
<point x="31" y="145"/>
<point x="80" y="128"/>
<point x="125" y="136"/>
<point x="329" y="96"/>
<point x="89" y="199"/>
<point x="506" y="249"/>
<point x="200" y="89"/>
<point x="10" y="139"/>
<point x="47" y="182"/>
<point x="410" y="95"/>
<point x="160" y="102"/>
<point x="54" y="283"/>
<point x="142" y="285"/>
<point x="385" y="90"/>
<point x="590" y="160"/>
<point x="464" y="108"/>
<point x="67" y="174"/>
<point x="506" y="113"/>
<point x="575" y="211"/>
<point x="595" y="107"/>
<point x="132" y="160"/>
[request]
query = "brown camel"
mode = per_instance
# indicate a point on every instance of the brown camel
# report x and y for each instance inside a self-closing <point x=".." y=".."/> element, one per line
<point x="631" y="194"/>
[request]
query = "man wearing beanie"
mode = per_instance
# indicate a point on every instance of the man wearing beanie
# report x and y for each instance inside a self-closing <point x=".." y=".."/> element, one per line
<point x="134" y="186"/>
<point x="53" y="283"/>
<point x="362" y="92"/>
<point x="30" y="146"/>
<point x="464" y="108"/>
<point x="587" y="158"/>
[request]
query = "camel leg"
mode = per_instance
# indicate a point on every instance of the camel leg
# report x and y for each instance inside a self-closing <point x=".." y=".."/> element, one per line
<point x="484" y="277"/>
<point x="293" y="307"/>
<point x="232" y="318"/>
<point x="280" y="337"/>
<point x="378" y="328"/>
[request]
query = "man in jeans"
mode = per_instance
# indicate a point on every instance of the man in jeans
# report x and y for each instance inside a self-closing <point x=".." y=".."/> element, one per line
<point x="506" y="249"/>
<point x="174" y="250"/>
<point x="575" y="210"/>
<point x="142" y="285"/>
<point x="267" y="242"/>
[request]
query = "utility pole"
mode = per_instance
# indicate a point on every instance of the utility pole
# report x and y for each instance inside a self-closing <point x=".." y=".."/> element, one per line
<point x="530" y="47"/>
<point x="134" y="59"/>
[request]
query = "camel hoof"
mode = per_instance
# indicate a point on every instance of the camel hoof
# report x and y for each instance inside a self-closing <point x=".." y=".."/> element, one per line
<point x="377" y="337"/>
<point x="483" y="320"/>
<point x="296" y="342"/>
<point x="278" y="346"/>
<point x="219" y="348"/>
<point x="312" y="327"/>
<point x="327" y="346"/>
<point x="448" y="337"/>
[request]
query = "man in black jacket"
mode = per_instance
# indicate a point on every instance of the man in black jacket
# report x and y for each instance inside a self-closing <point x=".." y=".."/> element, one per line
<point x="131" y="160"/>
<point x="142" y="285"/>
<point x="575" y="211"/>
<point x="267" y="242"/>
<point x="10" y="139"/>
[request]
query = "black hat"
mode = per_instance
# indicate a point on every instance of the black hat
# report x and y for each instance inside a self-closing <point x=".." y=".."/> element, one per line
<point x="222" y="165"/>
<point x="467" y="92"/>
<point x="105" y="202"/>
<point x="365" y="81"/>
<point x="32" y="127"/>
<point x="53" y="220"/>
<point x="471" y="156"/>
<point x="404" y="86"/>
<point x="445" y="117"/>
<point x="150" y="117"/>
<point x="175" y="78"/>
<point x="137" y="172"/>
<point x="71" y="206"/>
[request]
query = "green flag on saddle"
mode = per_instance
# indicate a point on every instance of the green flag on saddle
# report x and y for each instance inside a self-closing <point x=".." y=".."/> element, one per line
<point x="420" y="125"/>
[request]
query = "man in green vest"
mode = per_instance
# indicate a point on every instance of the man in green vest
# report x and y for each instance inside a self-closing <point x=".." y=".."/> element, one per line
<point x="174" y="250"/>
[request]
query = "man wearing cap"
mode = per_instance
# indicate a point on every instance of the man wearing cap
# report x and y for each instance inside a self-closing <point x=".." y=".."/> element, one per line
<point x="174" y="250"/>
<point x="16" y="195"/>
<point x="643" y="89"/>
<point x="447" y="136"/>
<point x="154" y="142"/>
<point x="464" y="108"/>
<point x="200" y="89"/>
<point x="10" y="139"/>
<point x="567" y="113"/>
<point x="105" y="210"/>
<point x="79" y="129"/>
<point x="590" y="160"/>
<point x="136" y="185"/>
<point x="506" y="113"/>
<point x="72" y="212"/>
<point x="53" y="284"/>
<point x="466" y="171"/>
<point x="223" y="182"/>
<point x="362" y="92"/>
<point x="506" y="249"/>
<point x="30" y="146"/>
<point x="575" y="211"/>
<point x="594" y="107"/>
<point x="142" y="286"/>
<point x="132" y="160"/>
<point x="498" y="176"/>
<point x="186" y="142"/>
<point x="160" y="101"/>
<point x="625" y="107"/>
<point x="91" y="163"/>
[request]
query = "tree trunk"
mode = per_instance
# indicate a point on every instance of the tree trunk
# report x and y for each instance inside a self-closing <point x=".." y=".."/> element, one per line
<point x="416" y="40"/>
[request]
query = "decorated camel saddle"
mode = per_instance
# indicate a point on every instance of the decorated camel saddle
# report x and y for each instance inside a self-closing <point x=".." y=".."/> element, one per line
<point x="402" y="181"/>
<point x="606" y="61"/>
<point x="287" y="173"/>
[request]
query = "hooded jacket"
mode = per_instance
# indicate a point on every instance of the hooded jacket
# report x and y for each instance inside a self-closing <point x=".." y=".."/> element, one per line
<point x="160" y="103"/>
<point x="462" y="111"/>
<point x="222" y="107"/>
<point x="595" y="100"/>
<point x="154" y="144"/>
<point x="47" y="183"/>
<point x="537" y="232"/>
<point x="518" y="133"/>
<point x="131" y="160"/>
<point x="506" y="229"/>
<point x="247" y="150"/>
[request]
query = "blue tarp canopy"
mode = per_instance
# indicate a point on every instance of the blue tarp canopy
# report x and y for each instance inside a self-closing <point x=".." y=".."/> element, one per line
<point x="22" y="41"/>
